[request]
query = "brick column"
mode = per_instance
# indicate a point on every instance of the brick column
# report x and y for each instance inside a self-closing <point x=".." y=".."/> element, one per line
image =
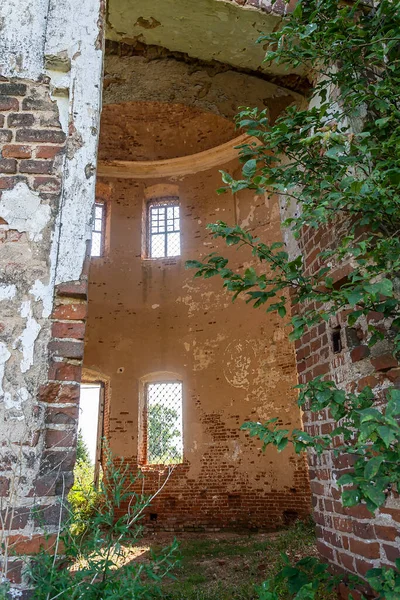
<point x="50" y="88"/>
<point x="349" y="538"/>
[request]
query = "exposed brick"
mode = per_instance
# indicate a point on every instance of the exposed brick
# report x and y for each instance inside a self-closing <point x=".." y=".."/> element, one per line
<point x="393" y="512"/>
<point x="16" y="519"/>
<point x="48" y="151"/>
<point x="65" y="415"/>
<point x="359" y="352"/>
<point x="370" y="550"/>
<point x="40" y="135"/>
<point x="49" y="513"/>
<point x="6" y="183"/>
<point x="74" y="289"/>
<point x="12" y="89"/>
<point x="63" y="460"/>
<point x="8" y="103"/>
<point x="8" y="165"/>
<point x="384" y="362"/>
<point x="4" y="486"/>
<point x="20" y="120"/>
<point x="56" y="438"/>
<point x="16" y="151"/>
<point x="35" y="103"/>
<point x="44" y="486"/>
<point x="14" y="571"/>
<point x="33" y="544"/>
<point x="64" y="371"/>
<point x="36" y="166"/>
<point x="343" y="524"/>
<point x="73" y="312"/>
<point x="66" y="349"/>
<point x="68" y="330"/>
<point x="363" y="566"/>
<point x="392" y="552"/>
<point x="47" y="184"/>
<point x="360" y="512"/>
<point x="347" y="560"/>
<point x="5" y="136"/>
<point x="325" y="551"/>
<point x="364" y="530"/>
<point x="386" y="533"/>
<point x="60" y="393"/>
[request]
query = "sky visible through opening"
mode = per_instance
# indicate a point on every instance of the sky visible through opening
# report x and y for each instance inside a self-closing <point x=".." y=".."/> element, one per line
<point x="88" y="415"/>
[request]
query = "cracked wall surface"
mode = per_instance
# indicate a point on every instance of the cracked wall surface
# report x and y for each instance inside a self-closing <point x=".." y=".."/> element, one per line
<point x="50" y="82"/>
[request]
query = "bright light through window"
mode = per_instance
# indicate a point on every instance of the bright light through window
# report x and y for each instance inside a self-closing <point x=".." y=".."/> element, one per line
<point x="98" y="230"/>
<point x="164" y="423"/>
<point x="164" y="230"/>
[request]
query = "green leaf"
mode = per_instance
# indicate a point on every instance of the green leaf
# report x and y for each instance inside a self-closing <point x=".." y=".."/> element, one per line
<point x="372" y="466"/>
<point x="384" y="287"/>
<point x="282" y="311"/>
<point x="351" y="497"/>
<point x="387" y="434"/>
<point x="249" y="167"/>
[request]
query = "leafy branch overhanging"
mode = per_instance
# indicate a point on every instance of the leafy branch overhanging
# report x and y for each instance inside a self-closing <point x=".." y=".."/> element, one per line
<point x="339" y="161"/>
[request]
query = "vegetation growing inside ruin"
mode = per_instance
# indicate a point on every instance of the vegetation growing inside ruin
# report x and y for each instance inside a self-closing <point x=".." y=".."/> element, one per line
<point x="339" y="161"/>
<point x="89" y="560"/>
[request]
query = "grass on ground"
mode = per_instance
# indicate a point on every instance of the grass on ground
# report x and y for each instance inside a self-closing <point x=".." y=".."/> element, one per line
<point x="228" y="566"/>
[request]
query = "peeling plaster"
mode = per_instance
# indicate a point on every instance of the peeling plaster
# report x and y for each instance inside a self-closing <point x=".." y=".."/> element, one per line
<point x="5" y="354"/>
<point x="59" y="91"/>
<point x="28" y="336"/>
<point x="76" y="46"/>
<point x="23" y="211"/>
<point x="7" y="292"/>
<point x="15" y="403"/>
<point x="23" y="30"/>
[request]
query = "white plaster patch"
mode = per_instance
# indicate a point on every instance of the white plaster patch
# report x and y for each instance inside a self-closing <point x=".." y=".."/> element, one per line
<point x="28" y="337"/>
<point x="22" y="37"/>
<point x="59" y="91"/>
<point x="17" y="401"/>
<point x="4" y="356"/>
<point x="7" y="292"/>
<point x="154" y="306"/>
<point x="23" y="211"/>
<point x="43" y="292"/>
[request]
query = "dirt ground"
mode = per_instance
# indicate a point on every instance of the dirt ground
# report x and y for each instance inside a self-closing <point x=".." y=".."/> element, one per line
<point x="224" y="565"/>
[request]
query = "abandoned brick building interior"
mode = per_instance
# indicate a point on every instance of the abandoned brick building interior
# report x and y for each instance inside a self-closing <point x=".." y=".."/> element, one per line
<point x="111" y="157"/>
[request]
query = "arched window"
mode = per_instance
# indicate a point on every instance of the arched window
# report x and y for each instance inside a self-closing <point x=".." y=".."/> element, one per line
<point x="163" y="228"/>
<point x="161" y="421"/>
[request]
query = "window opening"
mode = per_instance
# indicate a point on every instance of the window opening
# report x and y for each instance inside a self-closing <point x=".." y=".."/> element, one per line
<point x="336" y="341"/>
<point x="90" y="413"/>
<point x="98" y="230"/>
<point x="164" y="234"/>
<point x="164" y="423"/>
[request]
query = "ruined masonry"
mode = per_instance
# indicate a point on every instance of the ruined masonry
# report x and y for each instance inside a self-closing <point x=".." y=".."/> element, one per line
<point x="133" y="112"/>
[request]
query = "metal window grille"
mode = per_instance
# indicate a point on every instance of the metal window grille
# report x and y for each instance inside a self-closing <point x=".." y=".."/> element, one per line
<point x="98" y="230"/>
<point x="164" y="423"/>
<point x="164" y="229"/>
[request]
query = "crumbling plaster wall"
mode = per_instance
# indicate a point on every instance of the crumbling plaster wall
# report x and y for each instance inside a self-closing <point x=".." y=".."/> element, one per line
<point x="149" y="316"/>
<point x="50" y="82"/>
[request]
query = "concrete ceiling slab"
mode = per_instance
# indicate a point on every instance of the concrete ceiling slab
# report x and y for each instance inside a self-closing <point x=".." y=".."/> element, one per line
<point x="205" y="29"/>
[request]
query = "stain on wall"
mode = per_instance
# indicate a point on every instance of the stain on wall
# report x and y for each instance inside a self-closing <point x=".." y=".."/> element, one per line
<point x="149" y="316"/>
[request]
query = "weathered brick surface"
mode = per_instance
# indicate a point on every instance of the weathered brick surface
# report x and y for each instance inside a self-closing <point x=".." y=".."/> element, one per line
<point x="32" y="153"/>
<point x="350" y="538"/>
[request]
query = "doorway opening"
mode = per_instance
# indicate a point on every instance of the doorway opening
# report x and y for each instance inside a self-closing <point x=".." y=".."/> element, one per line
<point x="90" y="425"/>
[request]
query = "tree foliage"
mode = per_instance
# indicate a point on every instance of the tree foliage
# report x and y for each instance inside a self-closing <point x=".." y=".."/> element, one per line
<point x="338" y="161"/>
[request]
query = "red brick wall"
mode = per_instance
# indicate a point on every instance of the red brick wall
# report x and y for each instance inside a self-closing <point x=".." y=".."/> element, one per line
<point x="350" y="538"/>
<point x="32" y="150"/>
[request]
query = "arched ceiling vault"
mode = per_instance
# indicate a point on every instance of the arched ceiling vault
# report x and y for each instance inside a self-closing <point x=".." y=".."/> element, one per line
<point x="210" y="30"/>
